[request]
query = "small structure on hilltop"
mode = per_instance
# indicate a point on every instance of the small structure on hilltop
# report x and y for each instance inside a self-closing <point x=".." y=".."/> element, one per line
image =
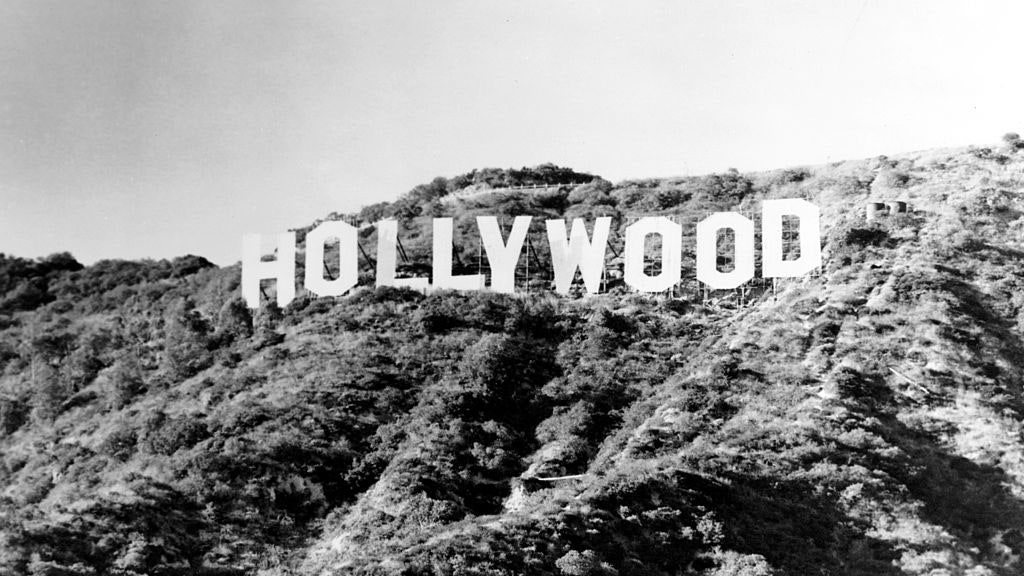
<point x="875" y="209"/>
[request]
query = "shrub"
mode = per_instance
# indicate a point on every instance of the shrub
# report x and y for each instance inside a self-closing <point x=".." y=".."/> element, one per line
<point x="13" y="414"/>
<point x="234" y="320"/>
<point x="735" y="564"/>
<point x="265" y="326"/>
<point x="168" y="435"/>
<point x="865" y="237"/>
<point x="790" y="175"/>
<point x="729" y="187"/>
<point x="27" y="295"/>
<point x="120" y="444"/>
<point x="48" y="394"/>
<point x="186" y="348"/>
<point x="124" y="382"/>
<point x="188" y="265"/>
<point x="88" y="357"/>
<point x="39" y="567"/>
<point x="889" y="179"/>
<point x="373" y="212"/>
<point x="594" y="192"/>
<point x="584" y="563"/>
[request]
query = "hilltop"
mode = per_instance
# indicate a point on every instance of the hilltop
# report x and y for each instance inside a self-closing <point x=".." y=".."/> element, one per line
<point x="863" y="420"/>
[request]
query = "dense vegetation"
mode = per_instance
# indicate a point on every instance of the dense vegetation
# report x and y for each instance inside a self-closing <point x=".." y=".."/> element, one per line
<point x="866" y="420"/>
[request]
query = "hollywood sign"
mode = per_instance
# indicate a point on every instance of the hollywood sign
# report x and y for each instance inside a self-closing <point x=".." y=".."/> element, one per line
<point x="569" y="253"/>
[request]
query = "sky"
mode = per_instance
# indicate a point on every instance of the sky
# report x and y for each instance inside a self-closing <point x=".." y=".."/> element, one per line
<point x="153" y="129"/>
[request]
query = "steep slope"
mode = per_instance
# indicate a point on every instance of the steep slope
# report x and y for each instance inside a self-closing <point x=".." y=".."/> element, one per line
<point x="864" y="420"/>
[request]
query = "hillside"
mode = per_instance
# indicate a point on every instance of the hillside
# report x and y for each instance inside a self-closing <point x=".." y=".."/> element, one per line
<point x="866" y="420"/>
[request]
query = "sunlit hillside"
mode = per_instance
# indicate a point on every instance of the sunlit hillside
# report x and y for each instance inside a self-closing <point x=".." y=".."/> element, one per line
<point x="863" y="420"/>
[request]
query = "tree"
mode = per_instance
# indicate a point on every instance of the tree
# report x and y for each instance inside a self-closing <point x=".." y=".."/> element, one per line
<point x="188" y="265"/>
<point x="373" y="212"/>
<point x="234" y="320"/>
<point x="48" y="393"/>
<point x="125" y="382"/>
<point x="89" y="356"/>
<point x="186" y="349"/>
<point x="265" y="325"/>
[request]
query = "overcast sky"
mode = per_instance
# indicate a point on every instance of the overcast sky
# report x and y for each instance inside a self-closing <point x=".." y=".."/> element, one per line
<point x="134" y="129"/>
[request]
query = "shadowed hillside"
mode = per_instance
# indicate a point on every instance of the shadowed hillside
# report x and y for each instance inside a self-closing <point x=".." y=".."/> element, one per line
<point x="864" y="421"/>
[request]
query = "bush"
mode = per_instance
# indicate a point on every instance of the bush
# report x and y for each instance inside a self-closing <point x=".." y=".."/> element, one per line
<point x="234" y="320"/>
<point x="47" y="568"/>
<point x="13" y="414"/>
<point x="187" y="346"/>
<point x="373" y="212"/>
<point x="865" y="237"/>
<point x="729" y="187"/>
<point x="168" y="435"/>
<point x="265" y="326"/>
<point x="120" y="444"/>
<point x="48" y="394"/>
<point x="790" y="176"/>
<point x="735" y="564"/>
<point x="584" y="563"/>
<point x="595" y="192"/>
<point x="124" y="382"/>
<point x="889" y="179"/>
<point x="189" y="265"/>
